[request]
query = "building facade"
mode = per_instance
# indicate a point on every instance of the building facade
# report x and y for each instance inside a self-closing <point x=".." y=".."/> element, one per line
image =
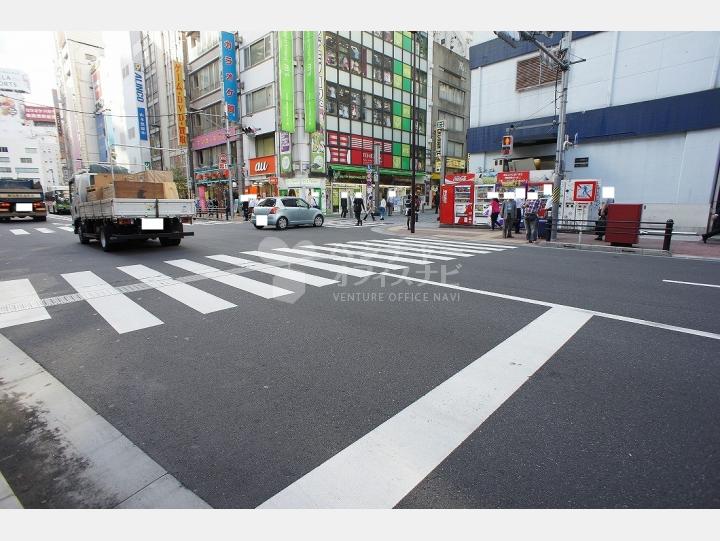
<point x="643" y="116"/>
<point x="29" y="146"/>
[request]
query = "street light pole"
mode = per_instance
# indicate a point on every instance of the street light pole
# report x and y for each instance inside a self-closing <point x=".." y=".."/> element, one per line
<point x="229" y="158"/>
<point x="414" y="135"/>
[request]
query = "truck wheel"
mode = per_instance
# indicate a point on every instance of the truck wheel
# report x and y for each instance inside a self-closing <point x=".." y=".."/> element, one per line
<point x="169" y="242"/>
<point x="39" y="218"/>
<point x="83" y="238"/>
<point x="105" y="243"/>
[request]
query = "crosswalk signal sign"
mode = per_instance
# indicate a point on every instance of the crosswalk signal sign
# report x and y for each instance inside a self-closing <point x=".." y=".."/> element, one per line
<point x="507" y="145"/>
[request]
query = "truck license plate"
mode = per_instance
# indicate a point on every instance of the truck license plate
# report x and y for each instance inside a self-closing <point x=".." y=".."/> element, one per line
<point x="152" y="224"/>
<point x="260" y="219"/>
<point x="23" y="207"/>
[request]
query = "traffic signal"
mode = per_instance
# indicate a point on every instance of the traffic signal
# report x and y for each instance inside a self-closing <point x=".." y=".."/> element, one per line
<point x="507" y="145"/>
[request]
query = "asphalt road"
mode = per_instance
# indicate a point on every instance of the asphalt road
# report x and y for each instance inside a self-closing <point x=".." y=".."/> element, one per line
<point x="241" y="403"/>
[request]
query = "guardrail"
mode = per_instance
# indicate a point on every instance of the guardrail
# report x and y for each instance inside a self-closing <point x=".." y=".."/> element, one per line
<point x="213" y="213"/>
<point x="650" y="229"/>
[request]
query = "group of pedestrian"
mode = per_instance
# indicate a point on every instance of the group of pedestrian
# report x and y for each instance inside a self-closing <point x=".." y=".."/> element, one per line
<point x="512" y="215"/>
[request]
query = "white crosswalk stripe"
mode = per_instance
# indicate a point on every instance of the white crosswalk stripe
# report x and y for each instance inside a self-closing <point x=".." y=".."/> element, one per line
<point x="389" y="250"/>
<point x="19" y="232"/>
<point x="302" y="277"/>
<point x="195" y="298"/>
<point x="340" y="223"/>
<point x="20" y="303"/>
<point x="122" y="313"/>
<point x="358" y="261"/>
<point x="66" y="228"/>
<point x="366" y="252"/>
<point x="44" y="230"/>
<point x="421" y="249"/>
<point x="458" y="249"/>
<point x="466" y="244"/>
<point x="255" y="287"/>
<point x="463" y="248"/>
<point x="338" y="269"/>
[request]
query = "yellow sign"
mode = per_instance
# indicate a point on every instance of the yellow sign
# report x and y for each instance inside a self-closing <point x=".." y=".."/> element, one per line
<point x="180" y="101"/>
<point x="455" y="163"/>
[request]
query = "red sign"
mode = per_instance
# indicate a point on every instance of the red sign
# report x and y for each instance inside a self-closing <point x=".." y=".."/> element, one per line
<point x="211" y="139"/>
<point x="40" y="114"/>
<point x="264" y="165"/>
<point x="513" y="177"/>
<point x="453" y="179"/>
<point x="584" y="191"/>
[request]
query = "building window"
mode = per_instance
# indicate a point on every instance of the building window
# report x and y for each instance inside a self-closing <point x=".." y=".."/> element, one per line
<point x="3" y="149"/>
<point x="27" y="170"/>
<point x="205" y="80"/>
<point x="258" y="52"/>
<point x="25" y="160"/>
<point x="454" y="149"/>
<point x="451" y="94"/>
<point x="90" y="57"/>
<point x="131" y="133"/>
<point x="208" y="119"/>
<point x="531" y="73"/>
<point x="30" y="151"/>
<point x="265" y="145"/>
<point x="452" y="122"/>
<point x="260" y="99"/>
<point x="4" y="159"/>
<point x="5" y="169"/>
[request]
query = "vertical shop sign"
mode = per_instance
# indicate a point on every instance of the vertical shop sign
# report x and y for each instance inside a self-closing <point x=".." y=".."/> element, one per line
<point x="180" y="103"/>
<point x="285" y="156"/>
<point x="228" y="61"/>
<point x="287" y="83"/>
<point x="317" y="138"/>
<point x="310" y="79"/>
<point x="140" y="103"/>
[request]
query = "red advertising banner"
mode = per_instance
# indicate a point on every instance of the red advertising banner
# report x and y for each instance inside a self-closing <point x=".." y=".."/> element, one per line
<point x="40" y="114"/>
<point x="513" y="178"/>
<point x="264" y="165"/>
<point x="464" y="177"/>
<point x="211" y="139"/>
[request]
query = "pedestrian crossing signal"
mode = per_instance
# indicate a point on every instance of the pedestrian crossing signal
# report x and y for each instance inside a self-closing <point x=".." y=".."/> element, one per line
<point x="507" y="145"/>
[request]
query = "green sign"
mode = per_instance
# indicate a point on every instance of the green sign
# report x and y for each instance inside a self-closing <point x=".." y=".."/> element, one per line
<point x="287" y="82"/>
<point x="309" y="56"/>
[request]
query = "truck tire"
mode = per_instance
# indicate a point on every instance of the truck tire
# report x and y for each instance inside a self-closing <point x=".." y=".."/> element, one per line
<point x="105" y="242"/>
<point x="81" y="234"/>
<point x="39" y="218"/>
<point x="169" y="242"/>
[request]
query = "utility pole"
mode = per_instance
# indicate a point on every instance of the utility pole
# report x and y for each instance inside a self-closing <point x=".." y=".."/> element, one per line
<point x="414" y="135"/>
<point x="189" y="119"/>
<point x="229" y="158"/>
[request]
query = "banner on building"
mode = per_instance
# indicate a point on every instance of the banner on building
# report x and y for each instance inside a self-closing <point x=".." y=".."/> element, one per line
<point x="310" y="80"/>
<point x="228" y="60"/>
<point x="317" y="138"/>
<point x="180" y="108"/>
<point x="140" y="103"/>
<point x="287" y="82"/>
<point x="285" y="153"/>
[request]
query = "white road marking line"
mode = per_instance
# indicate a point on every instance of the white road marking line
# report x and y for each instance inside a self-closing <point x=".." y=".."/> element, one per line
<point x="364" y="252"/>
<point x="22" y="294"/>
<point x="382" y="467"/>
<point x="122" y="313"/>
<point x="8" y="500"/>
<point x="469" y="244"/>
<point x="433" y="246"/>
<point x="261" y="289"/>
<point x="387" y="249"/>
<point x="691" y="283"/>
<point x="297" y="276"/>
<point x="195" y="298"/>
<point x="358" y="261"/>
<point x="453" y="245"/>
<point x="414" y="248"/>
<point x="44" y="230"/>
<point x="19" y="232"/>
<point x="117" y="470"/>
<point x="637" y="321"/>
<point x="66" y="228"/>
<point x="339" y="269"/>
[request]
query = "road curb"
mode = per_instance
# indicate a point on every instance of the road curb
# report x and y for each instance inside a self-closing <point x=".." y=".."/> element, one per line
<point x="8" y="500"/>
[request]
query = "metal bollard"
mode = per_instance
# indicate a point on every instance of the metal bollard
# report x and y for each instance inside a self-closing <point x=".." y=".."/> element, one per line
<point x="668" y="235"/>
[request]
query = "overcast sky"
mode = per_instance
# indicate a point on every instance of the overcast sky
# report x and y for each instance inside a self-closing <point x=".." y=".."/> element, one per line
<point x="33" y="53"/>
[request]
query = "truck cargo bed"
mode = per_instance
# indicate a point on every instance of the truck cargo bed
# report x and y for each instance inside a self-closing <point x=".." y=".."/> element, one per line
<point x="136" y="208"/>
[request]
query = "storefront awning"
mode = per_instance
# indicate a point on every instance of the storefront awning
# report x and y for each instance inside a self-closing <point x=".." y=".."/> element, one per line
<point x="383" y="171"/>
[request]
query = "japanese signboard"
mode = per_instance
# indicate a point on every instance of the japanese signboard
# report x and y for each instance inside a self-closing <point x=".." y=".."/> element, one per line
<point x="285" y="156"/>
<point x="317" y="139"/>
<point x="40" y="114"/>
<point x="180" y="108"/>
<point x="228" y="61"/>
<point x="264" y="165"/>
<point x="140" y="103"/>
<point x="287" y="82"/>
<point x="310" y="80"/>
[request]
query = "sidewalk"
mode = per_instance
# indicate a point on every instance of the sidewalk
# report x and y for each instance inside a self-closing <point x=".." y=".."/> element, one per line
<point x="681" y="246"/>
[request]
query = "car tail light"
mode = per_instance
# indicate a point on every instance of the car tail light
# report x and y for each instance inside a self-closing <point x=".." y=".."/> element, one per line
<point x="274" y="210"/>
<point x="38" y="205"/>
<point x="4" y="206"/>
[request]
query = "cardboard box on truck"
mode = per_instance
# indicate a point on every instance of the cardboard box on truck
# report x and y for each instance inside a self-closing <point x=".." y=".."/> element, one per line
<point x="134" y="190"/>
<point x="170" y="190"/>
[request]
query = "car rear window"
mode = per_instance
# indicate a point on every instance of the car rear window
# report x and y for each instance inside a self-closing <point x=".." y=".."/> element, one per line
<point x="289" y="202"/>
<point x="270" y="202"/>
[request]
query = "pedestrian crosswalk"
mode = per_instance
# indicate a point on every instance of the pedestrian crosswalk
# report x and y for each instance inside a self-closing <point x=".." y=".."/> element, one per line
<point x="252" y="272"/>
<point x="31" y="230"/>
<point x="343" y="223"/>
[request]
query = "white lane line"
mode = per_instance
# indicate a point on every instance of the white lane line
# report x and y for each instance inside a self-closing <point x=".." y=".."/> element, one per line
<point x="358" y="261"/>
<point x="433" y="246"/>
<point x="690" y="283"/>
<point x="382" y="467"/>
<point x="363" y="253"/>
<point x="195" y="298"/>
<point x="288" y="274"/>
<point x="118" y="473"/>
<point x="454" y="246"/>
<point x="261" y="289"/>
<point x="21" y="295"/>
<point x="19" y="232"/>
<point x="468" y="244"/>
<point x="414" y="248"/>
<point x="616" y="317"/>
<point x="44" y="230"/>
<point x="66" y="228"/>
<point x="387" y="249"/>
<point x="339" y="269"/>
<point x="123" y="314"/>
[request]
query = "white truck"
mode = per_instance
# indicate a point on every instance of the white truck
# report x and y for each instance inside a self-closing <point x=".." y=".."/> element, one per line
<point x="116" y="220"/>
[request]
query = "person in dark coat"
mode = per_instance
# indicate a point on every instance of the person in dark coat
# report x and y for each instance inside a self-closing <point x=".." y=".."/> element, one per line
<point x="715" y="228"/>
<point x="601" y="223"/>
<point x="246" y="210"/>
<point x="343" y="207"/>
<point x="358" y="207"/>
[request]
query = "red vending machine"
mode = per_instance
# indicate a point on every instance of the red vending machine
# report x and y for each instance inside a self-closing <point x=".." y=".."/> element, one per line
<point x="456" y="202"/>
<point x="623" y="224"/>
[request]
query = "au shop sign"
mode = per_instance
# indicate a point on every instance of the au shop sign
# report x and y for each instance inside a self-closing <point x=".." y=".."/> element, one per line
<point x="264" y="165"/>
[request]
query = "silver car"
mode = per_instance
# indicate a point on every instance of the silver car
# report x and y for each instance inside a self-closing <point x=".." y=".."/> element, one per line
<point x="284" y="211"/>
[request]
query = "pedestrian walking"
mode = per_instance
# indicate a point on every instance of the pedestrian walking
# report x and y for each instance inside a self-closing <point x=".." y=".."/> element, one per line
<point x="715" y="230"/>
<point x="358" y="207"/>
<point x="312" y="201"/>
<point x="530" y="209"/>
<point x="370" y="211"/>
<point x="344" y="207"/>
<point x="509" y="208"/>
<point x="408" y="209"/>
<point x="436" y="201"/>
<point x="251" y="205"/>
<point x="518" y="218"/>
<point x="383" y="208"/>
<point x="494" y="212"/>
<point x="601" y="223"/>
<point x="246" y="210"/>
